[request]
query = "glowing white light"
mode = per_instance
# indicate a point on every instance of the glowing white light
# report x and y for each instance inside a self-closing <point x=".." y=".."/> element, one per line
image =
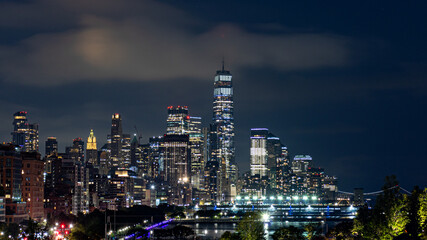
<point x="265" y="217"/>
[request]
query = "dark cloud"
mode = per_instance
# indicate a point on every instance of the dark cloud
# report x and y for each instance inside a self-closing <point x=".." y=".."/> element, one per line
<point x="114" y="43"/>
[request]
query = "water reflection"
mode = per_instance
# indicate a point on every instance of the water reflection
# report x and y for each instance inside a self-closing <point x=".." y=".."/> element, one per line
<point x="215" y="230"/>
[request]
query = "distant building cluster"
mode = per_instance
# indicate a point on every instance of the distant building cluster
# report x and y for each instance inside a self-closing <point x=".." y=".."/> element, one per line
<point x="189" y="165"/>
<point x="274" y="174"/>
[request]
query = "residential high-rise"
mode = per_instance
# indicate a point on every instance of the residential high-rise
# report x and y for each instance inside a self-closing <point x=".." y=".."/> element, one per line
<point x="25" y="135"/>
<point x="91" y="149"/>
<point x="11" y="183"/>
<point x="51" y="146"/>
<point x="76" y="151"/>
<point x="222" y="137"/>
<point x="33" y="184"/>
<point x="301" y="163"/>
<point x="81" y="189"/>
<point x="116" y="140"/>
<point x="60" y="185"/>
<point x="300" y="178"/>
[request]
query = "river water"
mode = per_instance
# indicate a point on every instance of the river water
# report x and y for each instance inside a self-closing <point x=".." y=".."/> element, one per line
<point x="207" y="230"/>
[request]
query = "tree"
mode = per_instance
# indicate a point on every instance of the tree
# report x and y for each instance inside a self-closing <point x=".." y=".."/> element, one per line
<point x="398" y="217"/>
<point x="227" y="235"/>
<point x="11" y="229"/>
<point x="90" y="226"/>
<point x="251" y="227"/>
<point x="182" y="232"/>
<point x="422" y="214"/>
<point x="311" y="230"/>
<point x="342" y="231"/>
<point x="388" y="218"/>
<point x="413" y="204"/>
<point x="33" y="227"/>
<point x="288" y="233"/>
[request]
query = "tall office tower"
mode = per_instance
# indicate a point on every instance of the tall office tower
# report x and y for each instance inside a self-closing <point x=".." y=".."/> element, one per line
<point x="125" y="152"/>
<point x="91" y="149"/>
<point x="135" y="151"/>
<point x="33" y="184"/>
<point x="11" y="182"/>
<point x="274" y="152"/>
<point x="196" y="141"/>
<point x="178" y="120"/>
<point x="156" y="156"/>
<point x="76" y="151"/>
<point x="25" y="135"/>
<point x="51" y="146"/>
<point x="211" y="182"/>
<point x="283" y="171"/>
<point x="259" y="154"/>
<point x="116" y="140"/>
<point x="222" y="148"/>
<point x="140" y="158"/>
<point x="104" y="160"/>
<point x="145" y="164"/>
<point x="206" y="144"/>
<point x="177" y="168"/>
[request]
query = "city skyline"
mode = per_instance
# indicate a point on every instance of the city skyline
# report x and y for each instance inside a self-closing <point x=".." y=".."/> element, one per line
<point x="358" y="109"/>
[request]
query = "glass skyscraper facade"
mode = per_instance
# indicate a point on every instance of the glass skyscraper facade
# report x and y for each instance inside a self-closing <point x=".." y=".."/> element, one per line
<point x="222" y="133"/>
<point x="259" y="153"/>
<point x="178" y="120"/>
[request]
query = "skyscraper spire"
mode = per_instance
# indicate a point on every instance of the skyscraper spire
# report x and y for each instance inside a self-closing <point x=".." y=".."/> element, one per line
<point x="223" y="63"/>
<point x="91" y="141"/>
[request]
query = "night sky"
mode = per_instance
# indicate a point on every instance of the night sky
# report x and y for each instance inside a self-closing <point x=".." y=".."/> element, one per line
<point x="343" y="81"/>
